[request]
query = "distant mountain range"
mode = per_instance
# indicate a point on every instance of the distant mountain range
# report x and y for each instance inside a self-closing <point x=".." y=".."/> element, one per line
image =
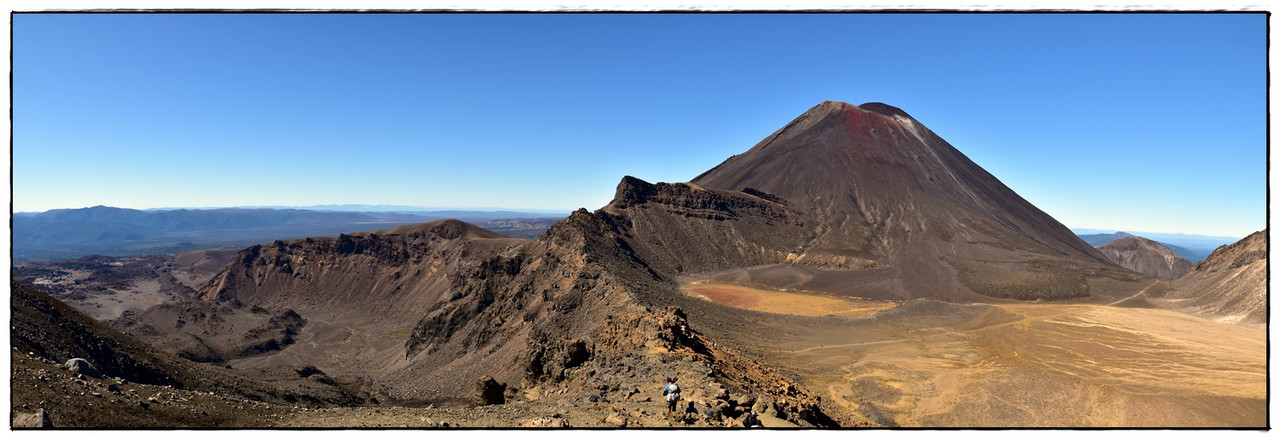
<point x="104" y="230"/>
<point x="1192" y="247"/>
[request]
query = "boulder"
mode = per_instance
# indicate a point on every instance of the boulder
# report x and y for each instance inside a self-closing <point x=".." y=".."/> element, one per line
<point x="716" y="412"/>
<point x="82" y="366"/>
<point x="616" y="419"/>
<point x="765" y="405"/>
<point x="39" y="419"/>
<point x="490" y="392"/>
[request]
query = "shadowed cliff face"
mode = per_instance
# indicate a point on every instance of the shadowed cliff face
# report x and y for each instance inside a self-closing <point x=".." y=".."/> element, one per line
<point x="679" y="228"/>
<point x="876" y="184"/>
<point x="1146" y="257"/>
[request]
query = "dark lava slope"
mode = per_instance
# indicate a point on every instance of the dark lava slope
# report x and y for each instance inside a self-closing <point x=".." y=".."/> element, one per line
<point x="875" y="184"/>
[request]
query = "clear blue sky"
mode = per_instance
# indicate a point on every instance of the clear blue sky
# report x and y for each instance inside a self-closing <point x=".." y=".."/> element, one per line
<point x="1133" y="122"/>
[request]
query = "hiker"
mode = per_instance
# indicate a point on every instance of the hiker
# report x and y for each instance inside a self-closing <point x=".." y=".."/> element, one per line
<point x="751" y="421"/>
<point x="672" y="391"/>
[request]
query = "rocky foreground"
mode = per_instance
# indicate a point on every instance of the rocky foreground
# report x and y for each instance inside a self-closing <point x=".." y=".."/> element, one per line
<point x="121" y="383"/>
<point x="46" y="395"/>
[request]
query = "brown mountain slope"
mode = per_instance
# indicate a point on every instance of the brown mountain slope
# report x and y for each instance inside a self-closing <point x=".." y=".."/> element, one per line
<point x="106" y="287"/>
<point x="875" y="184"/>
<point x="341" y="304"/>
<point x="1146" y="257"/>
<point x="1230" y="285"/>
<point x="46" y="332"/>
<point x="423" y="312"/>
<point x="581" y="310"/>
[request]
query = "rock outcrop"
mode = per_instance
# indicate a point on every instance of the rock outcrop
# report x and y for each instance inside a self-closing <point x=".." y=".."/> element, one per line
<point x="81" y="366"/>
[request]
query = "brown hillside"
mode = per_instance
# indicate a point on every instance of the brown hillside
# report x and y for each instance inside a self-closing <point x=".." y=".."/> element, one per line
<point x="1146" y="257"/>
<point x="341" y="304"/>
<point x="1230" y="285"/>
<point x="46" y="333"/>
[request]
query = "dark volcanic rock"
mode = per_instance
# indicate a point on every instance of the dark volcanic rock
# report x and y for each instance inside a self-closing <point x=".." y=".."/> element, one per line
<point x="81" y="366"/>
<point x="490" y="392"/>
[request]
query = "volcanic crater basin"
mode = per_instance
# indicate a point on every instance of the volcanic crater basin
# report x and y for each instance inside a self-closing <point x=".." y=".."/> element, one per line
<point x="929" y="363"/>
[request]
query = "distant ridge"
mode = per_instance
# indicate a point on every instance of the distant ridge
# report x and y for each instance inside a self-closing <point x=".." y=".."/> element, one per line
<point x="1146" y="257"/>
<point x="110" y="231"/>
<point x="1202" y="244"/>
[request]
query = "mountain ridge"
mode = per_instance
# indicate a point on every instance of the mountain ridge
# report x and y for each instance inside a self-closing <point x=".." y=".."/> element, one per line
<point x="104" y="230"/>
<point x="1230" y="285"/>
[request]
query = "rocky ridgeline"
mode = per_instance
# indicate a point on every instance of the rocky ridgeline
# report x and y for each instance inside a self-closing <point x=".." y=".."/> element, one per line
<point x="1239" y="254"/>
<point x="1230" y="285"/>
<point x="682" y="228"/>
<point x="584" y="305"/>
<point x="637" y="348"/>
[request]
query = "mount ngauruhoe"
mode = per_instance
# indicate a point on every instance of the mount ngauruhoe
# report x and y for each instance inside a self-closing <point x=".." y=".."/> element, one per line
<point x="873" y="185"/>
<point x="851" y="269"/>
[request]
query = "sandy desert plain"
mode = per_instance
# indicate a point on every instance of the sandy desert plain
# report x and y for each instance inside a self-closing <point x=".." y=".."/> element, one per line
<point x="1024" y="364"/>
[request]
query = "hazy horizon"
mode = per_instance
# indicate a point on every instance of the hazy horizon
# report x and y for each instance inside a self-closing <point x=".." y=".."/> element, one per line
<point x="350" y="207"/>
<point x="1149" y="122"/>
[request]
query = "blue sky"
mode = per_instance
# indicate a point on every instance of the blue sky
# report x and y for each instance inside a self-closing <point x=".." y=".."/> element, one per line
<point x="1139" y="122"/>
